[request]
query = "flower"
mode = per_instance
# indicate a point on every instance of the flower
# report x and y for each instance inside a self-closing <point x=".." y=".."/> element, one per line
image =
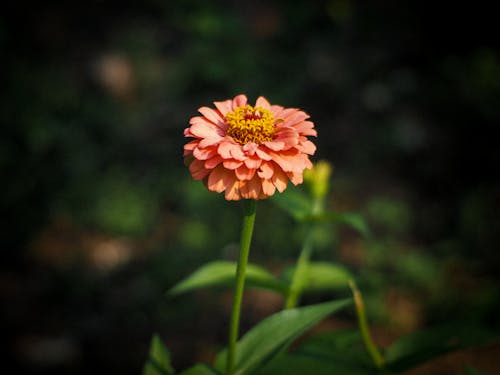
<point x="247" y="151"/>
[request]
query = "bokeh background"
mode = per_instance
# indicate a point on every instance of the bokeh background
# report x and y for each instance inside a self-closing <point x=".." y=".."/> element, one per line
<point x="100" y="217"/>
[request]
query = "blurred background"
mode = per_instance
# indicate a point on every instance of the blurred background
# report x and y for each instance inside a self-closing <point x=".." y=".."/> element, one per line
<point x="100" y="217"/>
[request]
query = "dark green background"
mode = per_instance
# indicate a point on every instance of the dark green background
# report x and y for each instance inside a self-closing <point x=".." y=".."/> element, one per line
<point x="94" y="98"/>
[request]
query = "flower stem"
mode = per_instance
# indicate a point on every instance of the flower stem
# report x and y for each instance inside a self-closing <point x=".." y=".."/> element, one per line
<point x="300" y="273"/>
<point x="372" y="349"/>
<point x="246" y="239"/>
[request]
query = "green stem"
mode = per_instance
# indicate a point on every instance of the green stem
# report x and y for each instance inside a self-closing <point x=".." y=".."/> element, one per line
<point x="297" y="283"/>
<point x="299" y="275"/>
<point x="372" y="349"/>
<point x="246" y="239"/>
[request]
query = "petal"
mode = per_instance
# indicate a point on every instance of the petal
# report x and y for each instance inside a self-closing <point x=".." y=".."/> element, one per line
<point x="262" y="154"/>
<point x="279" y="180"/>
<point x="307" y="147"/>
<point x="204" y="153"/>
<point x="254" y="187"/>
<point x="219" y="179"/>
<point x="198" y="170"/>
<point x="190" y="146"/>
<point x="266" y="170"/>
<point x="232" y="164"/>
<point x="262" y="102"/>
<point x="274" y="145"/>
<point x="210" y="141"/>
<point x="212" y="163"/>
<point x="296" y="178"/>
<point x="239" y="101"/>
<point x="211" y="115"/>
<point x="225" y="147"/>
<point x="295" y="118"/>
<point x="250" y="148"/>
<point x="268" y="188"/>
<point x="237" y="152"/>
<point x="224" y="107"/>
<point x="253" y="162"/>
<point x="202" y="130"/>
<point x="244" y="173"/>
<point x="233" y="191"/>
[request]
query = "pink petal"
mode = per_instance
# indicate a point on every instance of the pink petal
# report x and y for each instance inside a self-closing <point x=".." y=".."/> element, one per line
<point x="211" y="115"/>
<point x="262" y="154"/>
<point x="191" y="145"/>
<point x="244" y="173"/>
<point x="233" y="191"/>
<point x="232" y="164"/>
<point x="250" y="148"/>
<point x="274" y="145"/>
<point x="212" y="163"/>
<point x="237" y="153"/>
<point x="295" y="118"/>
<point x="224" y="107"/>
<point x="239" y="101"/>
<point x="198" y="170"/>
<point x="219" y="179"/>
<point x="296" y="178"/>
<point x="307" y="147"/>
<point x="262" y="102"/>
<point x="268" y="188"/>
<point x="280" y="180"/>
<point x="225" y="147"/>
<point x="204" y="153"/>
<point x="253" y="162"/>
<point x="254" y="188"/>
<point x="201" y="130"/>
<point x="266" y="170"/>
<point x="210" y="141"/>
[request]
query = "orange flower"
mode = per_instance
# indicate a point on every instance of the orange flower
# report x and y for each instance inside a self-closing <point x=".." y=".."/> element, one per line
<point x="247" y="151"/>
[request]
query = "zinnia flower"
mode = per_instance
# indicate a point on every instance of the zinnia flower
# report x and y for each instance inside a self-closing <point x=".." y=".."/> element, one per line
<point x="247" y="151"/>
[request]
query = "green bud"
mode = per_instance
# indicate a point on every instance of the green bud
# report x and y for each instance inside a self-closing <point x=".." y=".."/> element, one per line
<point x="318" y="178"/>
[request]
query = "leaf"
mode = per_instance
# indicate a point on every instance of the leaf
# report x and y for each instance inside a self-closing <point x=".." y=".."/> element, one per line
<point x="296" y="203"/>
<point x="299" y="364"/>
<point x="223" y="273"/>
<point x="341" y="347"/>
<point x="352" y="219"/>
<point x="321" y="276"/>
<point x="158" y="362"/>
<point x="200" y="369"/>
<point x="274" y="333"/>
<point x="419" y="347"/>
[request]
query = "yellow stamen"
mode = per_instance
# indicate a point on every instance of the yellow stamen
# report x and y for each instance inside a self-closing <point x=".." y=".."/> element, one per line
<point x="250" y="124"/>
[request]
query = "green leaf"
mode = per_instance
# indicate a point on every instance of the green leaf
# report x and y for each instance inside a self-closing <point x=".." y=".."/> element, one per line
<point x="296" y="203"/>
<point x="158" y="362"/>
<point x="321" y="276"/>
<point x="200" y="369"/>
<point x="341" y="347"/>
<point x="419" y="347"/>
<point x="300" y="364"/>
<point x="223" y="273"/>
<point x="274" y="333"/>
<point x="352" y="219"/>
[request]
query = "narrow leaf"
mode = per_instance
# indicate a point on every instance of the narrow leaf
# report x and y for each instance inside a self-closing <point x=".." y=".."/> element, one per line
<point x="158" y="362"/>
<point x="270" y="336"/>
<point x="300" y="364"/>
<point x="200" y="369"/>
<point x="222" y="273"/>
<point x="321" y="276"/>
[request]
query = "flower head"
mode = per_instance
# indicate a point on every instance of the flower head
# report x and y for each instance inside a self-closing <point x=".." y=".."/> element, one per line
<point x="247" y="151"/>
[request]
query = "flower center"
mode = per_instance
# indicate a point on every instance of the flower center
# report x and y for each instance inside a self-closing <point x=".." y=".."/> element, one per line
<point x="250" y="124"/>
